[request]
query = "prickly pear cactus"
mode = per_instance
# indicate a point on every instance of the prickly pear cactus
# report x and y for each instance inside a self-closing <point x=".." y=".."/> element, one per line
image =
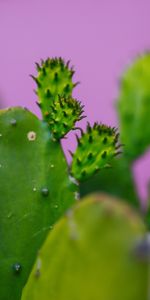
<point x="62" y="115"/>
<point x="92" y="253"/>
<point x="54" y="80"/>
<point x="35" y="184"/>
<point x="96" y="149"/>
<point x="35" y="191"/>
<point x="134" y="107"/>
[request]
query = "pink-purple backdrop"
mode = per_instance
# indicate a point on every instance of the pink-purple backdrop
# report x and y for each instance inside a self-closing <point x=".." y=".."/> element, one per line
<point x="99" y="36"/>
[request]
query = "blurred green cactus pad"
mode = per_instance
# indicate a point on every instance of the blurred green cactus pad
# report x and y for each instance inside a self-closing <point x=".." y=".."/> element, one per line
<point x="134" y="107"/>
<point x="92" y="254"/>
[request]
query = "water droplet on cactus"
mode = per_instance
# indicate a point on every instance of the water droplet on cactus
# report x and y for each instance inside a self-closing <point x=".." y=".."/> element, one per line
<point x="52" y="166"/>
<point x="34" y="189"/>
<point x="0" y="135"/>
<point x="45" y="191"/>
<point x="17" y="268"/>
<point x="13" y="122"/>
<point x="31" y="136"/>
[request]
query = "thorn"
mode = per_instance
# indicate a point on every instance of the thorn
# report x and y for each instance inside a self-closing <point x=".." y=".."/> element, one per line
<point x="72" y="73"/>
<point x="119" y="146"/>
<point x="116" y="138"/>
<point x="39" y="104"/>
<point x="67" y="64"/>
<point x="78" y="128"/>
<point x="77" y="83"/>
<point x="47" y="62"/>
<point x="117" y="153"/>
<point x="48" y="93"/>
<point x="78" y="161"/>
<point x="67" y="88"/>
<point x="104" y="154"/>
<point x="64" y="112"/>
<point x="99" y="130"/>
<point x="44" y="71"/>
<point x="82" y="117"/>
<point x="90" y="139"/>
<point x="71" y="153"/>
<point x="38" y="67"/>
<point x="105" y="140"/>
<point x="35" y="91"/>
<point x="83" y="173"/>
<point x="95" y="125"/>
<point x="78" y="140"/>
<point x="65" y="124"/>
<point x="90" y="155"/>
<point x="56" y="76"/>
<point x="88" y="128"/>
<point x="36" y="80"/>
<point x="42" y="62"/>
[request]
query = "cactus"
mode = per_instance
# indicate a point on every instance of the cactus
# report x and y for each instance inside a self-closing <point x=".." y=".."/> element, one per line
<point x="62" y="116"/>
<point x="35" y="189"/>
<point x="96" y="148"/>
<point x="117" y="181"/>
<point x="54" y="80"/>
<point x="35" y="182"/>
<point x="94" y="252"/>
<point x="133" y="106"/>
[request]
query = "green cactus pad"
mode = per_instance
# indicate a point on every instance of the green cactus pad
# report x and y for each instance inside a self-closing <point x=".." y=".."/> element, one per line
<point x="35" y="191"/>
<point x="92" y="254"/>
<point x="96" y="148"/>
<point x="117" y="181"/>
<point x="62" y="115"/>
<point x="134" y="107"/>
<point x="54" y="79"/>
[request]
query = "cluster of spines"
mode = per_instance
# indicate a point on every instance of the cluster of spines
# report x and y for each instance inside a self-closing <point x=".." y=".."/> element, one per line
<point x="62" y="116"/>
<point x="96" y="148"/>
<point x="58" y="72"/>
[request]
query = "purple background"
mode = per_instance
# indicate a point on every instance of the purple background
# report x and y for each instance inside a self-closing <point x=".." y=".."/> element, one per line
<point x="99" y="36"/>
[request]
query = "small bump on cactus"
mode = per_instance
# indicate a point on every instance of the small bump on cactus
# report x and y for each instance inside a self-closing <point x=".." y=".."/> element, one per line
<point x="62" y="115"/>
<point x="54" y="78"/>
<point x="96" y="148"/>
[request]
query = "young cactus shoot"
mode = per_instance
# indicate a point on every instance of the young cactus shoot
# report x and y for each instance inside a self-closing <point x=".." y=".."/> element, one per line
<point x="96" y="149"/>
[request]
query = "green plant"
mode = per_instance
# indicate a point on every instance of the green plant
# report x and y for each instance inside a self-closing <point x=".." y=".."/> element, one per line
<point x="95" y="252"/>
<point x="133" y="107"/>
<point x="100" y="249"/>
<point x="35" y="182"/>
